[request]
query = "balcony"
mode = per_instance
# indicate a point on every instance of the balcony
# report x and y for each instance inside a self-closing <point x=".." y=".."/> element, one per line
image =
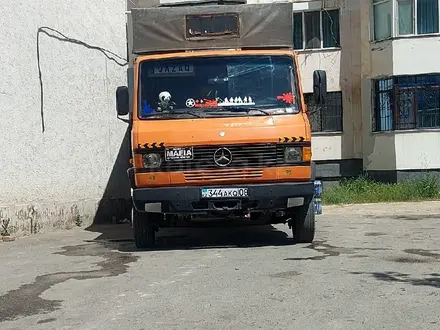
<point x="405" y="37"/>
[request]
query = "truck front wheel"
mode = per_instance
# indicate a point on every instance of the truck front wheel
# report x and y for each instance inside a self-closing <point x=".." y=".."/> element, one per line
<point x="303" y="223"/>
<point x="144" y="229"/>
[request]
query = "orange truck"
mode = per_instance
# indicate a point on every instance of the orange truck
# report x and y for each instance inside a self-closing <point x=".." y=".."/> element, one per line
<point x="219" y="129"/>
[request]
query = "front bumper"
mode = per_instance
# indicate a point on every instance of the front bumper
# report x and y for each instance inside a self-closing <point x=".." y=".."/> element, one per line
<point x="262" y="197"/>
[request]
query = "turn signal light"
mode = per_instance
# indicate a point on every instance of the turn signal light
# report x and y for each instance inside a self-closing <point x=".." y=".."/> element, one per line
<point x="307" y="154"/>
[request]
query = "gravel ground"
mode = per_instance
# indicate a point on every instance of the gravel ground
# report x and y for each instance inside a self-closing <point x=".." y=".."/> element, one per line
<point x="371" y="267"/>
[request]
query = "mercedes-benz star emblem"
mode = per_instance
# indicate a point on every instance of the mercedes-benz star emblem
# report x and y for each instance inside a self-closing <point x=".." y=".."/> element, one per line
<point x="223" y="157"/>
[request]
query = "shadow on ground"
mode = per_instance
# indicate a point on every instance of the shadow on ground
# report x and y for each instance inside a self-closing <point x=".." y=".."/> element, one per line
<point x="408" y="217"/>
<point x="111" y="246"/>
<point x="120" y="237"/>
<point x="432" y="280"/>
<point x="27" y="300"/>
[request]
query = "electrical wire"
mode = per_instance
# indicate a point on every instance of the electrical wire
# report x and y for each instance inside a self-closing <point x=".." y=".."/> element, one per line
<point x="55" y="34"/>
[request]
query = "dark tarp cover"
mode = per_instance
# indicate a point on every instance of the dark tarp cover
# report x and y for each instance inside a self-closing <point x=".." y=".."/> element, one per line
<point x="163" y="29"/>
<point x="175" y="3"/>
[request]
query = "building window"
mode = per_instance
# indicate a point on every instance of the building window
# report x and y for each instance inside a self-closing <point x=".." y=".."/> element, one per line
<point x="406" y="102"/>
<point x="312" y="29"/>
<point x="405" y="15"/>
<point x="427" y="16"/>
<point x="418" y="16"/>
<point x="316" y="29"/>
<point x="326" y="118"/>
<point x="382" y="19"/>
<point x="298" y="31"/>
<point x="413" y="17"/>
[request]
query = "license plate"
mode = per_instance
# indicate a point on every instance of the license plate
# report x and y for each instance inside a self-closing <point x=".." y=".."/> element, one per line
<point x="225" y="193"/>
<point x="171" y="70"/>
<point x="175" y="154"/>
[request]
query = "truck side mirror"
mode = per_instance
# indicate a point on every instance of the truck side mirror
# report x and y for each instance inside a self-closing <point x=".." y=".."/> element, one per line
<point x="122" y="101"/>
<point x="319" y="86"/>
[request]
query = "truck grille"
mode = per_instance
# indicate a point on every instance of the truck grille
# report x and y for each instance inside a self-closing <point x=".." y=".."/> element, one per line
<point x="243" y="156"/>
<point x="262" y="155"/>
<point x="219" y="175"/>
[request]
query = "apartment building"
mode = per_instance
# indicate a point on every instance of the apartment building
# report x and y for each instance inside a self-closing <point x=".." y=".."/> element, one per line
<point x="401" y="87"/>
<point x="383" y="112"/>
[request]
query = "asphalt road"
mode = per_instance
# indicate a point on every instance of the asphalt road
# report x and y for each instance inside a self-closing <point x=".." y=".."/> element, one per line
<point x="375" y="269"/>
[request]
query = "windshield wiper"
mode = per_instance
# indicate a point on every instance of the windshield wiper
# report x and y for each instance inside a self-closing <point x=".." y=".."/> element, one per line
<point x="195" y="114"/>
<point x="192" y="113"/>
<point x="247" y="109"/>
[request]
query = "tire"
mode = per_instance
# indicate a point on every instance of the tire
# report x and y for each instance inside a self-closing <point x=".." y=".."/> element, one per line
<point x="144" y="230"/>
<point x="303" y="226"/>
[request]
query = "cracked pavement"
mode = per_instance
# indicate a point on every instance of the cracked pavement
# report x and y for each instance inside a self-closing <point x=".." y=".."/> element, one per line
<point x="370" y="267"/>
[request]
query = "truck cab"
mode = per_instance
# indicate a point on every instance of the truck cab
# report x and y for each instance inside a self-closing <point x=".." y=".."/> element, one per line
<point x="219" y="129"/>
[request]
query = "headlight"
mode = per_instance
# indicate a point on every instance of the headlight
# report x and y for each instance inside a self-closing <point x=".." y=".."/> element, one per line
<point x="292" y="155"/>
<point x="152" y="160"/>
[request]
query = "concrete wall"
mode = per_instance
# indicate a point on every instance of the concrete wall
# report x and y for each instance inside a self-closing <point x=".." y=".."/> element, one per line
<point x="379" y="153"/>
<point x="58" y="176"/>
<point x="410" y="55"/>
<point x="327" y="147"/>
<point x="424" y="148"/>
<point x="416" y="55"/>
<point x="381" y="54"/>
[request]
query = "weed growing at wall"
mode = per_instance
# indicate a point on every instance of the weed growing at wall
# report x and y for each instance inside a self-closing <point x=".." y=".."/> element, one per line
<point x="78" y="220"/>
<point x="4" y="230"/>
<point x="367" y="190"/>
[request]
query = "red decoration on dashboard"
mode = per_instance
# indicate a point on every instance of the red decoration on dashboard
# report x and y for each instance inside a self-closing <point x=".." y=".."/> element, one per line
<point x="286" y="97"/>
<point x="206" y="103"/>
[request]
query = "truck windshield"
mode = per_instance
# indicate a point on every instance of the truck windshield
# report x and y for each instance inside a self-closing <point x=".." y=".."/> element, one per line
<point x="257" y="85"/>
